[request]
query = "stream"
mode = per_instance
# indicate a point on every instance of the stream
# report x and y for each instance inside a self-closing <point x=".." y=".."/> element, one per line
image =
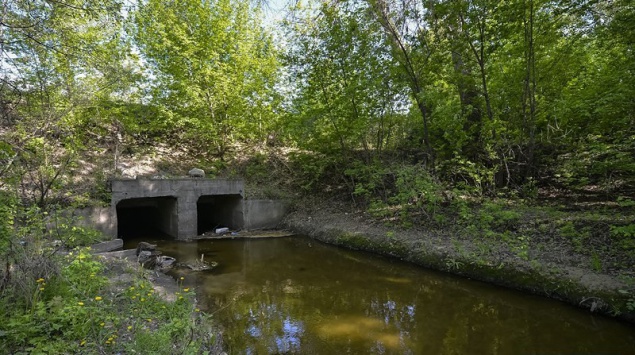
<point x="297" y="295"/>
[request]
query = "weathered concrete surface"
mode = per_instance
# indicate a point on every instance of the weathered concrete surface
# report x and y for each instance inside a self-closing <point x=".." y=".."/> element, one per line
<point x="100" y="218"/>
<point x="179" y="219"/>
<point x="107" y="246"/>
<point x="129" y="254"/>
<point x="264" y="214"/>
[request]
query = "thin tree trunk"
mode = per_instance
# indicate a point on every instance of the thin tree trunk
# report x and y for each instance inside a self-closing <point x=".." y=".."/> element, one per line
<point x="403" y="54"/>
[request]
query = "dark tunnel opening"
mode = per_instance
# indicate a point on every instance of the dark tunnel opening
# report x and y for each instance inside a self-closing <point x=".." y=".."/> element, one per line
<point x="144" y="217"/>
<point x="216" y="211"/>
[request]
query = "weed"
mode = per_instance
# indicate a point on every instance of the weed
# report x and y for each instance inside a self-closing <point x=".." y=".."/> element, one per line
<point x="625" y="202"/>
<point x="520" y="247"/>
<point x="625" y="236"/>
<point x="596" y="262"/>
<point x="630" y="302"/>
<point x="453" y="264"/>
<point x="577" y="237"/>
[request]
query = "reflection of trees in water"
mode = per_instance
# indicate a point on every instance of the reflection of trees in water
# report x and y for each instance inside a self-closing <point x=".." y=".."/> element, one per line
<point x="295" y="299"/>
<point x="263" y="325"/>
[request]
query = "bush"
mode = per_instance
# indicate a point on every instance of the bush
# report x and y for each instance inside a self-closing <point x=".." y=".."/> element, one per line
<point x="77" y="311"/>
<point x="65" y="304"/>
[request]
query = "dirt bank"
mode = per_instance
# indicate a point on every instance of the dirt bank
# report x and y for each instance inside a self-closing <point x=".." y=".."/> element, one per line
<point x="549" y="268"/>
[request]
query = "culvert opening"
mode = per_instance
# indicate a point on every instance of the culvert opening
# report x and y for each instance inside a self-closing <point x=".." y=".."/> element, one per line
<point x="150" y="216"/>
<point x="217" y="211"/>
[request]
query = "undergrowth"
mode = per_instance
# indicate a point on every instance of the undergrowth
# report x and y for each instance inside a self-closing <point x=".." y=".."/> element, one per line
<point x="56" y="302"/>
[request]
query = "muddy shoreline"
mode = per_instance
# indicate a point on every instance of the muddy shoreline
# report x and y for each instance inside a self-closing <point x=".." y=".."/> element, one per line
<point x="542" y="275"/>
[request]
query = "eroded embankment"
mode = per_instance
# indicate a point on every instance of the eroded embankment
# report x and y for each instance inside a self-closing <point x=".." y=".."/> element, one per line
<point x="441" y="250"/>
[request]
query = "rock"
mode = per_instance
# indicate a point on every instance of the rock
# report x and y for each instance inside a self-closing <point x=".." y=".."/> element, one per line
<point x="143" y="246"/>
<point x="107" y="246"/>
<point x="144" y="256"/>
<point x="129" y="254"/>
<point x="199" y="265"/>
<point x="165" y="262"/>
<point x="160" y="262"/>
<point x="198" y="173"/>
<point x="222" y="230"/>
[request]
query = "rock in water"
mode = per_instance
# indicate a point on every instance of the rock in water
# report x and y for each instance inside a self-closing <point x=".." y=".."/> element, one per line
<point x="198" y="173"/>
<point x="143" y="246"/>
<point x="198" y="265"/>
<point x="164" y="262"/>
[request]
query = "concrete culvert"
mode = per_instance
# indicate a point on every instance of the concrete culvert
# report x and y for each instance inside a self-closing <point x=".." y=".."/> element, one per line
<point x="148" y="216"/>
<point x="215" y="211"/>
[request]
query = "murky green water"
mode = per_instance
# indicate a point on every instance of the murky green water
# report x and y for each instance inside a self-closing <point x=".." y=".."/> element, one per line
<point x="296" y="295"/>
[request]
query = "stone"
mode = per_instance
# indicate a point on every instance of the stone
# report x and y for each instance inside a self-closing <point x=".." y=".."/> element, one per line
<point x="130" y="254"/>
<point x="164" y="262"/>
<point x="221" y="230"/>
<point x="107" y="246"/>
<point x="143" y="246"/>
<point x="144" y="256"/>
<point x="196" y="172"/>
<point x="198" y="265"/>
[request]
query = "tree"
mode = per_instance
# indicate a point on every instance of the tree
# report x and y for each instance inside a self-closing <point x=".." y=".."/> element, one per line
<point x="56" y="59"/>
<point x="213" y="65"/>
<point x="407" y="32"/>
<point x="342" y="70"/>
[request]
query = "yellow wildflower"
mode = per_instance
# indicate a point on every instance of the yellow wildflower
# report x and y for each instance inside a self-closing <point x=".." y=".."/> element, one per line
<point x="186" y="289"/>
<point x="98" y="298"/>
<point x="39" y="280"/>
<point x="80" y="303"/>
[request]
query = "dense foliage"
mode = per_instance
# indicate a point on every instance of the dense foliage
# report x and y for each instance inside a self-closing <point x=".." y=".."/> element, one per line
<point x="490" y="93"/>
<point x="506" y="92"/>
<point x="410" y="108"/>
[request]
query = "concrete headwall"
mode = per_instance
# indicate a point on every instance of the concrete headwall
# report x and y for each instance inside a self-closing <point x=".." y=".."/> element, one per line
<point x="264" y="214"/>
<point x="181" y="202"/>
<point x="187" y="192"/>
<point x="100" y="218"/>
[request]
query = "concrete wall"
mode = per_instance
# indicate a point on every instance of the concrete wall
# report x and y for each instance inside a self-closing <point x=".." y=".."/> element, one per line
<point x="263" y="214"/>
<point x="187" y="192"/>
<point x="168" y="216"/>
<point x="179" y="216"/>
<point x="220" y="211"/>
<point x="100" y="218"/>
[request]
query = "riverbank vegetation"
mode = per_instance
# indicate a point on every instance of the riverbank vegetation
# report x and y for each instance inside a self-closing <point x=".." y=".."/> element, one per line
<point x="57" y="297"/>
<point x="511" y="122"/>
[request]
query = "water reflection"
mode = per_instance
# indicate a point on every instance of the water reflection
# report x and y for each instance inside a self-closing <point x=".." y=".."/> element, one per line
<point x="293" y="295"/>
<point x="362" y="330"/>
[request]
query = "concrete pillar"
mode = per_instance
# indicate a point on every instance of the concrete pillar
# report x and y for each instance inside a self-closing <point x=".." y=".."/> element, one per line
<point x="187" y="216"/>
